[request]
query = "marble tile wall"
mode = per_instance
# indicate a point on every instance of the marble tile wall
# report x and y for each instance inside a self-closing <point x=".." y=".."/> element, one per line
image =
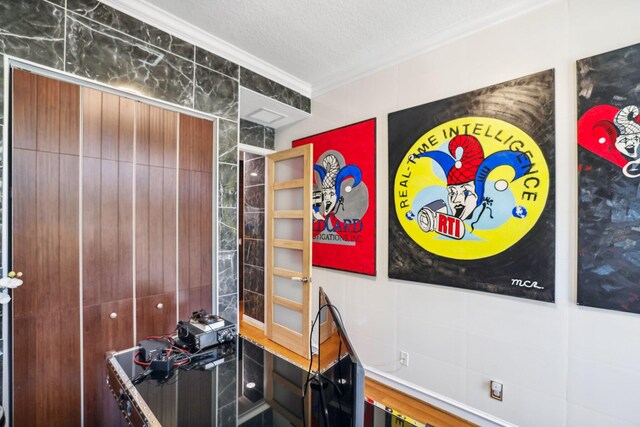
<point x="254" y="217"/>
<point x="257" y="135"/>
<point x="274" y="90"/>
<point x="93" y="40"/>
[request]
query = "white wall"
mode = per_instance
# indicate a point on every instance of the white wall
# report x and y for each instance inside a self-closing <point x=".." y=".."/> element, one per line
<point x="560" y="364"/>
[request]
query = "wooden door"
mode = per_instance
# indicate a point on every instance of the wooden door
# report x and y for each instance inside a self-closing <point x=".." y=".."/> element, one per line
<point x="107" y="188"/>
<point x="288" y="261"/>
<point x="45" y="246"/>
<point x="156" y="234"/>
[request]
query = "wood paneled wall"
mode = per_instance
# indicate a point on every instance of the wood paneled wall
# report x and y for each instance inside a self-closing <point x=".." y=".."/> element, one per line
<point x="46" y="245"/>
<point x="114" y="197"/>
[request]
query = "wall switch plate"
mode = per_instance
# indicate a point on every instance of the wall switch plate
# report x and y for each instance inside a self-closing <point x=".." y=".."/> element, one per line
<point x="496" y="390"/>
<point x="404" y="358"/>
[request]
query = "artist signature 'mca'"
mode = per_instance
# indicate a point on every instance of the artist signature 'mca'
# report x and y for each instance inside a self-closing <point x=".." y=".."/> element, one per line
<point x="525" y="283"/>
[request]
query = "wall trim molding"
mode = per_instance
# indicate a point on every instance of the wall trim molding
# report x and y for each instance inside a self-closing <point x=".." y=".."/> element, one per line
<point x="255" y="150"/>
<point x="151" y="14"/>
<point x="442" y="402"/>
<point x="253" y="322"/>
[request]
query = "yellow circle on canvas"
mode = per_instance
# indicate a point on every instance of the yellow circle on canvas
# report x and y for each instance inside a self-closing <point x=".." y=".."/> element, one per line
<point x="507" y="203"/>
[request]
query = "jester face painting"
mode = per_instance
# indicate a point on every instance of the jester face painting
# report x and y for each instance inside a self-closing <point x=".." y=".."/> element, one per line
<point x="340" y="200"/>
<point x="471" y="188"/>
<point x="331" y="196"/>
<point x="613" y="134"/>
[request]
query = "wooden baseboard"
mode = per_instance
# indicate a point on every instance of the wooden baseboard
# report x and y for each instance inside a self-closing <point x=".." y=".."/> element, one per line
<point x="437" y="400"/>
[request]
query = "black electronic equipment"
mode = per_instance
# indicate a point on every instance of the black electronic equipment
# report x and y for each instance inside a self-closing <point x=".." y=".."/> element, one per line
<point x="197" y="336"/>
<point x="151" y="348"/>
<point x="201" y="316"/>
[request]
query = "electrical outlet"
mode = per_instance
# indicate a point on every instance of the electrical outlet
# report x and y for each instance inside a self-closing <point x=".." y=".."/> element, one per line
<point x="496" y="390"/>
<point x="404" y="358"/>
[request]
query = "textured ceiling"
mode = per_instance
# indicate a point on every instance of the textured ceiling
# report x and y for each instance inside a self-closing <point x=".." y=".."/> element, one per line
<point x="328" y="42"/>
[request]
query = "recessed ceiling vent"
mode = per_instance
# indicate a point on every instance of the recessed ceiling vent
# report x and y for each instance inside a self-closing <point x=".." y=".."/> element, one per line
<point x="266" y="111"/>
<point x="266" y="116"/>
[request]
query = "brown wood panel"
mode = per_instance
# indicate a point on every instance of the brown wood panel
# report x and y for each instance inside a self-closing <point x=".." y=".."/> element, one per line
<point x="156" y="136"/>
<point x="155" y="320"/>
<point x="195" y="215"/>
<point x="125" y="228"/>
<point x="198" y="140"/>
<point x="143" y="287"/>
<point x="91" y="231"/>
<point x="184" y="221"/>
<point x="170" y="137"/>
<point x="196" y="239"/>
<point x="24" y="230"/>
<point x="69" y="118"/>
<point x="24" y="373"/>
<point x="91" y="122"/>
<point x="69" y="233"/>
<point x="25" y="92"/>
<point x="206" y="293"/>
<point x="169" y="230"/>
<point x="126" y="129"/>
<point x="184" y="304"/>
<point x="206" y="230"/>
<point x="107" y="231"/>
<point x="142" y="133"/>
<point x="111" y="288"/>
<point x="102" y="334"/>
<point x="48" y="115"/>
<point x="186" y="141"/>
<point x="196" y="144"/>
<point x="204" y="148"/>
<point x="47" y="232"/>
<point x="53" y="376"/>
<point x="156" y="230"/>
<point x="194" y="299"/>
<point x="110" y="126"/>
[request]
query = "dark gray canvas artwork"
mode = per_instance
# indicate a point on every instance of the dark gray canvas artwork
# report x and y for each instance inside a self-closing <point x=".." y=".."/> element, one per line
<point x="471" y="190"/>
<point x="609" y="180"/>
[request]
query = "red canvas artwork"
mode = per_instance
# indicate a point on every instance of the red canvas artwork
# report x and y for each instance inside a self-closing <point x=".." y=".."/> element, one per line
<point x="344" y="197"/>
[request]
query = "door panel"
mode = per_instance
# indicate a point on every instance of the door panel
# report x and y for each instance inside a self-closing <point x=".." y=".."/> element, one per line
<point x="195" y="216"/>
<point x="107" y="242"/>
<point x="288" y="262"/>
<point x="45" y="245"/>
<point x="155" y="315"/>
<point x="107" y="327"/>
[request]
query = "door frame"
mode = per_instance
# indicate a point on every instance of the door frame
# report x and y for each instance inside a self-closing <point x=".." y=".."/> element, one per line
<point x="246" y="148"/>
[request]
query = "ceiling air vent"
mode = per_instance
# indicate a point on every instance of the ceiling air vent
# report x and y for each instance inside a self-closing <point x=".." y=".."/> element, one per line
<point x="266" y="116"/>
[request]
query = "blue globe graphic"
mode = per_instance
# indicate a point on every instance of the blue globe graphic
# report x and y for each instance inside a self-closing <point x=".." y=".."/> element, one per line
<point x="519" y="212"/>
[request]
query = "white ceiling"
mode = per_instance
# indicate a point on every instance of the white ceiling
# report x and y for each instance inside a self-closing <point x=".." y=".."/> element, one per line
<point x="313" y="46"/>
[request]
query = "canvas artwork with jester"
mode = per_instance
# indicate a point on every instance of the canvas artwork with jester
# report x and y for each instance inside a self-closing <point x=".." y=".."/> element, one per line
<point x="471" y="185"/>
<point x="608" y="95"/>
